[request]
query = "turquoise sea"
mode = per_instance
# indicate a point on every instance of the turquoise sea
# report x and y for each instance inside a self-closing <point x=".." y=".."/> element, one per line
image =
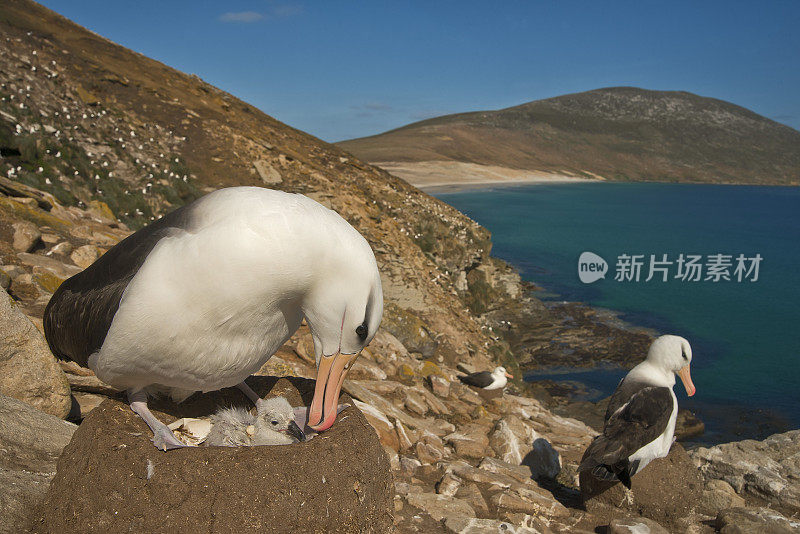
<point x="745" y="334"/>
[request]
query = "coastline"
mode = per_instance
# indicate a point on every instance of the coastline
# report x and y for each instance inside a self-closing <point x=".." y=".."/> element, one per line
<point x="454" y="176"/>
<point x="579" y="337"/>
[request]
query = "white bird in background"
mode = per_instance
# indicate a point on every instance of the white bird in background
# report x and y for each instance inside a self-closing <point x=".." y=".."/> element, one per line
<point x="203" y="297"/>
<point x="273" y="424"/>
<point x="497" y="379"/>
<point x="640" y="419"/>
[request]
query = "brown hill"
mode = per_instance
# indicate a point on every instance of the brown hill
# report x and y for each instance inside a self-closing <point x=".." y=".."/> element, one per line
<point x="619" y="133"/>
<point x="88" y="122"/>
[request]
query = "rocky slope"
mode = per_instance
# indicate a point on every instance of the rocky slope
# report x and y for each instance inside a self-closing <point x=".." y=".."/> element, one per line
<point x="618" y="133"/>
<point x="88" y="125"/>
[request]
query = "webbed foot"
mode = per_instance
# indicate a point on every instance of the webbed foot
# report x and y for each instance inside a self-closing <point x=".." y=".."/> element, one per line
<point x="165" y="440"/>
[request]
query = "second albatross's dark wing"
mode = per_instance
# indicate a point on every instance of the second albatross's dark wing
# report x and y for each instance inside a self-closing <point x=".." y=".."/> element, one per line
<point x="629" y="427"/>
<point x="481" y="379"/>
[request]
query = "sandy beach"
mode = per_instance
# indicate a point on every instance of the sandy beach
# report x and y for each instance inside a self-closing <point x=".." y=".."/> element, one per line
<point x="450" y="176"/>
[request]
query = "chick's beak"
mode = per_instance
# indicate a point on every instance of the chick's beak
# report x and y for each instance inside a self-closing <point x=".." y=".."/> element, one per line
<point x="296" y="431"/>
<point x="686" y="378"/>
<point x="331" y="371"/>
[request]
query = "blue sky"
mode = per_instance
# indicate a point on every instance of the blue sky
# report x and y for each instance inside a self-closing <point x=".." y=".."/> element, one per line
<point x="348" y="69"/>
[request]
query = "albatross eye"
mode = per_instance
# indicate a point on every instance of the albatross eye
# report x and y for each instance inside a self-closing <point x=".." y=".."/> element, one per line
<point x="274" y="422"/>
<point x="361" y="331"/>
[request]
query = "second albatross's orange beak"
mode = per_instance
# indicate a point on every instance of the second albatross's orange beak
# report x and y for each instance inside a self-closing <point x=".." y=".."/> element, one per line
<point x="330" y="375"/>
<point x="686" y="378"/>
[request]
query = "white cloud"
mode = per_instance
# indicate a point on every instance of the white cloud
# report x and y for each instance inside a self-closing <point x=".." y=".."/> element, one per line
<point x="241" y="16"/>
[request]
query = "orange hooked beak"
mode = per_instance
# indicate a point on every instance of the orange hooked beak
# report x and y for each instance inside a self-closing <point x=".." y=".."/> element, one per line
<point x="330" y="375"/>
<point x="509" y="375"/>
<point x="686" y="378"/>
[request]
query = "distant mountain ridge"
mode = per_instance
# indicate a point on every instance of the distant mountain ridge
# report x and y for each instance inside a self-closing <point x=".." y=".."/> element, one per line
<point x="618" y="133"/>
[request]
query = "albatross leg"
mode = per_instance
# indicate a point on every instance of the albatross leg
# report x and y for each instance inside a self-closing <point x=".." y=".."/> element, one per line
<point x="252" y="395"/>
<point x="163" y="438"/>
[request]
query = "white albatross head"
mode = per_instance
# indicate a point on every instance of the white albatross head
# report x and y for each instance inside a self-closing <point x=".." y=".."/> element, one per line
<point x="343" y="311"/>
<point x="673" y="354"/>
<point x="500" y="372"/>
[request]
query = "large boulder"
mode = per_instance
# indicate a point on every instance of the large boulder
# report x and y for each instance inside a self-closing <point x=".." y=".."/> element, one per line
<point x="766" y="471"/>
<point x="747" y="520"/>
<point x="28" y="370"/>
<point x="666" y="490"/>
<point x="111" y="478"/>
<point x="31" y="442"/>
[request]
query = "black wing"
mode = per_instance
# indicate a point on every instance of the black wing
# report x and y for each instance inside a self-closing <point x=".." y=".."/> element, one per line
<point x="481" y="379"/>
<point x="629" y="426"/>
<point x="80" y="312"/>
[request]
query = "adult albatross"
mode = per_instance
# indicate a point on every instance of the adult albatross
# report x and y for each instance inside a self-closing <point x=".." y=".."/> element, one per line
<point x="640" y="419"/>
<point x="497" y="379"/>
<point x="202" y="298"/>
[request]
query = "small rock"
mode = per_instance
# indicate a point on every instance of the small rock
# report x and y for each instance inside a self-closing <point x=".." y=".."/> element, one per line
<point x="719" y="495"/>
<point x="440" y="427"/>
<point x="688" y="425"/>
<point x="305" y="348"/>
<point x="528" y="501"/>
<point x="268" y="173"/>
<point x="428" y="454"/>
<point x="366" y="370"/>
<point x="62" y="249"/>
<point x="383" y="427"/>
<point x="639" y="525"/>
<point x="440" y="506"/>
<point x="101" y="211"/>
<point x="429" y="368"/>
<point x="470" y="441"/>
<point x="12" y="270"/>
<point x="409" y="465"/>
<point x="389" y="346"/>
<point x="519" y="472"/>
<point x="59" y="268"/>
<point x="393" y="457"/>
<point x="440" y="386"/>
<point x="748" y="520"/>
<point x="471" y="494"/>
<point x="473" y="525"/>
<point x="404" y="436"/>
<point x="480" y="413"/>
<point x="448" y="485"/>
<point x="469" y="396"/>
<point x="5" y="280"/>
<point x="88" y="402"/>
<point x="509" y="439"/>
<point x="50" y="239"/>
<point x="406" y="372"/>
<point x="85" y="256"/>
<point x="415" y="402"/>
<point x="46" y="279"/>
<point x="28" y="371"/>
<point x="26" y="236"/>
